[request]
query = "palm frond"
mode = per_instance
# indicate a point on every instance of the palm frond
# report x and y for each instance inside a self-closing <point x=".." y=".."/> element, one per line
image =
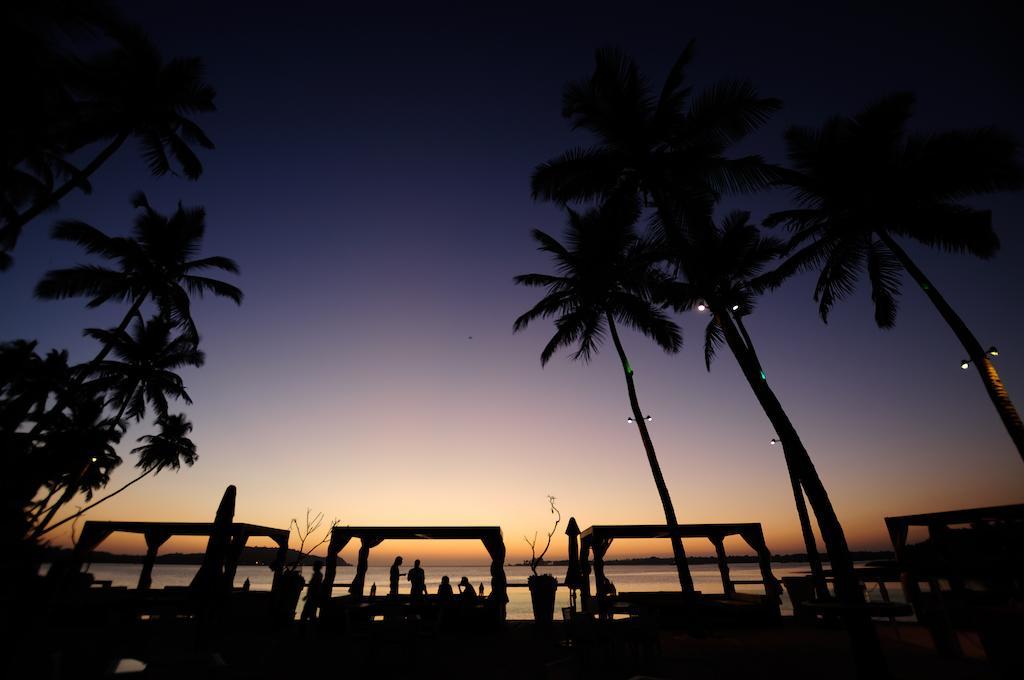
<point x="713" y="339"/>
<point x="884" y="274"/>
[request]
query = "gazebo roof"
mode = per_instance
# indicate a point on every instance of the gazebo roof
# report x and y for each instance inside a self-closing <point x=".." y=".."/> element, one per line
<point x="182" y="528"/>
<point x="430" y="532"/>
<point x="663" y="531"/>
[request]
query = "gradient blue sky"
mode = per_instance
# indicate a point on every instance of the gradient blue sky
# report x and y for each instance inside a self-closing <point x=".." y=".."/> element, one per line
<point x="371" y="177"/>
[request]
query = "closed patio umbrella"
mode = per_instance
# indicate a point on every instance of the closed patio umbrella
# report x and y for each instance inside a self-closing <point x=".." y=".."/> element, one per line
<point x="573" y="574"/>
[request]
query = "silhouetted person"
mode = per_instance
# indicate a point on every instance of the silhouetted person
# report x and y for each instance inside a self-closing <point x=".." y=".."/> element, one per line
<point x="609" y="587"/>
<point x="467" y="593"/>
<point x="246" y="585"/>
<point x="444" y="591"/>
<point x="417" y="580"/>
<point x="313" y="593"/>
<point x="373" y="589"/>
<point x="395" y="575"/>
<point x="481" y="588"/>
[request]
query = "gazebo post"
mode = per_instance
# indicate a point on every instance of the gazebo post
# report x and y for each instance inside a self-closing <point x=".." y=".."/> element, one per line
<point x="154" y="539"/>
<point x="600" y="547"/>
<point x="232" y="555"/>
<point x="585" y="543"/>
<point x="754" y="536"/>
<point x="282" y="553"/>
<point x="723" y="565"/>
<point x="362" y="564"/>
<point x="339" y="539"/>
<point x="495" y="546"/>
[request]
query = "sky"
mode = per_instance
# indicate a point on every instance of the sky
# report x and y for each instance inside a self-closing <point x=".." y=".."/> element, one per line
<point x="371" y="177"/>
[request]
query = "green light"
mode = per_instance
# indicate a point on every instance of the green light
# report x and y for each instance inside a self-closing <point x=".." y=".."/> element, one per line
<point x="629" y="369"/>
<point x="924" y="286"/>
<point x="763" y="376"/>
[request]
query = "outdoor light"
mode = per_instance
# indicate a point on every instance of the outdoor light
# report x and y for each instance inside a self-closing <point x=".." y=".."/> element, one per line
<point x="965" y="363"/>
<point x="629" y="420"/>
<point x="774" y="441"/>
<point x="648" y="418"/>
<point x="735" y="308"/>
<point x="93" y="459"/>
<point x="701" y="307"/>
<point x="993" y="352"/>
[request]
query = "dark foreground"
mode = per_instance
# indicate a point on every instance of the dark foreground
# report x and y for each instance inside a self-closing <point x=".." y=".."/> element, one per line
<point x="518" y="650"/>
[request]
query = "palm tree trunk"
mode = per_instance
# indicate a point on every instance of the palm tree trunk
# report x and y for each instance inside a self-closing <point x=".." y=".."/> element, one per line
<point x="105" y="350"/>
<point x="69" y="492"/>
<point x="975" y="352"/>
<point x="864" y="640"/>
<point x="685" y="580"/>
<point x="95" y="503"/>
<point x="810" y="545"/>
<point x="41" y="206"/>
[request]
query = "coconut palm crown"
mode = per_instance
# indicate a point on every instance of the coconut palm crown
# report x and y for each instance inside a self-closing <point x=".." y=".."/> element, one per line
<point x="143" y="370"/>
<point x="667" y="147"/>
<point x="159" y="261"/>
<point x="863" y="182"/>
<point x="169" y="448"/>
<point x="604" y="272"/>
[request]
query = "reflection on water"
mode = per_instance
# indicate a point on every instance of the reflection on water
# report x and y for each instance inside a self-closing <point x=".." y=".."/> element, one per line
<point x="626" y="579"/>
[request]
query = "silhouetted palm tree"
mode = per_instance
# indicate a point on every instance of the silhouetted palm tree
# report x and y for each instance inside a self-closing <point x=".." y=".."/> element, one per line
<point x="863" y="182"/>
<point x="667" y="147"/>
<point x="77" y="452"/>
<point x="720" y="269"/>
<point x="716" y="267"/>
<point x="144" y="371"/>
<point x="157" y="262"/>
<point x="28" y="382"/>
<point x="131" y="92"/>
<point x="168" y="449"/>
<point x="37" y="70"/>
<point x="604" y="277"/>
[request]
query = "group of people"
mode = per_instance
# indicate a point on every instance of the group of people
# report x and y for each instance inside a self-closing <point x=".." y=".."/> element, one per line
<point x="418" y="583"/>
<point x="417" y="579"/>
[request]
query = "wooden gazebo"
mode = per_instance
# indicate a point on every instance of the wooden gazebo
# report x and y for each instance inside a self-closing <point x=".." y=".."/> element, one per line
<point x="598" y="538"/>
<point x="157" y="533"/>
<point x="370" y="537"/>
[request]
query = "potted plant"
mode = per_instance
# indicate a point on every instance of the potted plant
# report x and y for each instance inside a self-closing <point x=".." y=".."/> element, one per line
<point x="543" y="586"/>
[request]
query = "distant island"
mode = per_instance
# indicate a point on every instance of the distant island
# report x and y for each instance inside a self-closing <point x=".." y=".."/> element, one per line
<point x="856" y="555"/>
<point x="249" y="557"/>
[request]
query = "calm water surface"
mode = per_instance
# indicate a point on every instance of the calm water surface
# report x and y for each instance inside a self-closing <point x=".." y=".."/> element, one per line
<point x="626" y="579"/>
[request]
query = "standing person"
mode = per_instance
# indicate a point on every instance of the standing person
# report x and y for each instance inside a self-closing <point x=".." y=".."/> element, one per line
<point x="417" y="580"/>
<point x="395" y="575"/>
<point x="313" y="593"/>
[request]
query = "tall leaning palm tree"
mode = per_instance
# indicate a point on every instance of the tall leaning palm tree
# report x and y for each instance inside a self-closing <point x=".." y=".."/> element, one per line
<point x="130" y="92"/>
<point x="716" y="268"/>
<point x="863" y="183"/>
<point x="604" y="279"/>
<point x="720" y="267"/>
<point x="169" y="449"/>
<point x="667" y="147"/>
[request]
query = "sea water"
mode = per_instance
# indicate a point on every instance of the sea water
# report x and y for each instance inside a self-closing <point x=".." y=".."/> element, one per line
<point x="647" y="578"/>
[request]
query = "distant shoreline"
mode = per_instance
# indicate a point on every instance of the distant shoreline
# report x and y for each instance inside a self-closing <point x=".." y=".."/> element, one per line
<point x="856" y="555"/>
<point x="250" y="557"/>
